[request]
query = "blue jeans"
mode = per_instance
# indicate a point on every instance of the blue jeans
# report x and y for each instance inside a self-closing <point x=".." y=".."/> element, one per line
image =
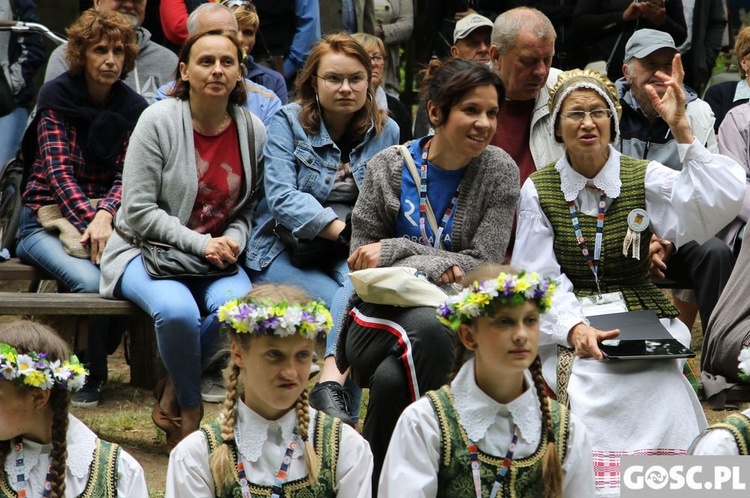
<point x="12" y="127"/>
<point x="331" y="285"/>
<point x="43" y="249"/>
<point x="322" y="284"/>
<point x="187" y="341"/>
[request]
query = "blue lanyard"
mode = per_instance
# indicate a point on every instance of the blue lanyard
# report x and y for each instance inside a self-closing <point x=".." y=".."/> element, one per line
<point x="281" y="475"/>
<point x="501" y="473"/>
<point x="591" y="262"/>
<point x="423" y="203"/>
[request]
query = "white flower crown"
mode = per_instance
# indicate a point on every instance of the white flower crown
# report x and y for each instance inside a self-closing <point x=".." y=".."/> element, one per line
<point x="506" y="289"/>
<point x="35" y="370"/>
<point x="266" y="317"/>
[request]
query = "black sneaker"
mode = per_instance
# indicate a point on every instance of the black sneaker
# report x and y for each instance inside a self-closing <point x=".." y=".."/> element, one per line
<point x="89" y="395"/>
<point x="333" y="399"/>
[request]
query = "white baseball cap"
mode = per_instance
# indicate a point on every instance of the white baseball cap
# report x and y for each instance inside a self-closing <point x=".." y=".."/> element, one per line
<point x="468" y="24"/>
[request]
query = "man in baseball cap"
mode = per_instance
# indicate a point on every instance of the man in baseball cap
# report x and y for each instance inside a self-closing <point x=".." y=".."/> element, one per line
<point x="706" y="267"/>
<point x="471" y="38"/>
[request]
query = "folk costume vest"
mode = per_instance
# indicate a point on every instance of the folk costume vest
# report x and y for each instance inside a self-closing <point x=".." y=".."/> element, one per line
<point x="102" y="482"/>
<point x="616" y="271"/>
<point x="524" y="477"/>
<point x="326" y="440"/>
<point x="739" y="425"/>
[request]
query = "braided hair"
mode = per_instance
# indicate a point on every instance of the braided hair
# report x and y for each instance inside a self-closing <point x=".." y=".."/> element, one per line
<point x="222" y="466"/>
<point x="551" y="467"/>
<point x="27" y="336"/>
<point x="552" y="472"/>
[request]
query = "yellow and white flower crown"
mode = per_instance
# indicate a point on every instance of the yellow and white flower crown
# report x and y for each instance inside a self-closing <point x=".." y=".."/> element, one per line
<point x="36" y="370"/>
<point x="506" y="289"/>
<point x="264" y="316"/>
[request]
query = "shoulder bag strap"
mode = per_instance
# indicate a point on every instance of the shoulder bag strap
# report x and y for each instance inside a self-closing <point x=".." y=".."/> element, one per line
<point x="415" y="175"/>
<point x="255" y="181"/>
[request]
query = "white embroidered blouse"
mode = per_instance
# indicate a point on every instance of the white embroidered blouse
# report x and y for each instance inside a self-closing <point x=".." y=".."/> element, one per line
<point x="131" y="481"/>
<point x="261" y="444"/>
<point x="412" y="462"/>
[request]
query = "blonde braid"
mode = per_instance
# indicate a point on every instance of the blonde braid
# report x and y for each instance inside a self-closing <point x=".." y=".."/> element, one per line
<point x="551" y="468"/>
<point x="60" y="402"/>
<point x="222" y="466"/>
<point x="303" y="427"/>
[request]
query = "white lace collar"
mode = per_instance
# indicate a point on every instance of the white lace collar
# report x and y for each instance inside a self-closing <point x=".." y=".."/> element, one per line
<point x="608" y="179"/>
<point x="81" y="446"/>
<point x="251" y="431"/>
<point x="477" y="411"/>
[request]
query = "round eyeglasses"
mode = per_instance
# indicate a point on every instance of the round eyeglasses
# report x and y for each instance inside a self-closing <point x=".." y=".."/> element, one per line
<point x="357" y="82"/>
<point x="594" y="114"/>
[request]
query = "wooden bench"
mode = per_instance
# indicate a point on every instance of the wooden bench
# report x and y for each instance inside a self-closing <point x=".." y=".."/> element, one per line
<point x="65" y="310"/>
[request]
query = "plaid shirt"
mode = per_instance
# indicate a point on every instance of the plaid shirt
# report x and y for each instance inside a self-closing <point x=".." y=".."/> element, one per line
<point x="60" y="176"/>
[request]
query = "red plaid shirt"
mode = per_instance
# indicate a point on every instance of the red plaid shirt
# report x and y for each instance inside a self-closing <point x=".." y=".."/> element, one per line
<point x="59" y="174"/>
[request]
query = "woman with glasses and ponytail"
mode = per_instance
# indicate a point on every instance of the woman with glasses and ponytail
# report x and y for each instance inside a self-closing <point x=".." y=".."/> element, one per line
<point x="315" y="162"/>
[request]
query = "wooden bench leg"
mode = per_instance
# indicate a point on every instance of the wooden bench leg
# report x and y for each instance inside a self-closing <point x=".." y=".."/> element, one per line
<point x="146" y="366"/>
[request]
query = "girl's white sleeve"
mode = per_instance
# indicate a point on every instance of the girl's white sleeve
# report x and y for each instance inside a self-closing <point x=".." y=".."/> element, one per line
<point x="578" y="481"/>
<point x="354" y="466"/>
<point x="189" y="474"/>
<point x="413" y="457"/>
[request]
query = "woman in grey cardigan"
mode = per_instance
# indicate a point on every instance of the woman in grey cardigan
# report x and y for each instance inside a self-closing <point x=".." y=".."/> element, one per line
<point x="400" y="353"/>
<point x="188" y="182"/>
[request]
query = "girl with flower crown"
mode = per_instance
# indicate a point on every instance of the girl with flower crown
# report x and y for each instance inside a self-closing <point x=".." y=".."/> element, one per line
<point x="492" y="431"/>
<point x="44" y="451"/>
<point x="268" y="440"/>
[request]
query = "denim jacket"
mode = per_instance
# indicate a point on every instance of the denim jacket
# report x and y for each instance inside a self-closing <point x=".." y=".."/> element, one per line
<point x="299" y="174"/>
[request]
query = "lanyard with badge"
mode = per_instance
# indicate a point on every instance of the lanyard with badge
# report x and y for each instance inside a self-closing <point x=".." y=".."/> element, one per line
<point x="611" y="302"/>
<point x="423" y="203"/>
<point x="281" y="475"/>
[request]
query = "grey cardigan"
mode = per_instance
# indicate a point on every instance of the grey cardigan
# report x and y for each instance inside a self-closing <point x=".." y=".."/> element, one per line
<point x="160" y="184"/>
<point x="482" y="223"/>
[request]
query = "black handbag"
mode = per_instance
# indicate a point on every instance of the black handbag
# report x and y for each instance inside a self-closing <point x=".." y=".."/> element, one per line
<point x="304" y="253"/>
<point x="165" y="261"/>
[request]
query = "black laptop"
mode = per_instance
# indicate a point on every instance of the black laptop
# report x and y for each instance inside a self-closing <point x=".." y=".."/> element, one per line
<point x="642" y="336"/>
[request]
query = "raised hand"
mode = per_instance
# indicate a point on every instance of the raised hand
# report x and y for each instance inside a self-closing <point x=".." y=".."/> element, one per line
<point x="672" y="107"/>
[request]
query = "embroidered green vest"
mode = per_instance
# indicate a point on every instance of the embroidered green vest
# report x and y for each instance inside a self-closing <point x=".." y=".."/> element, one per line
<point x="524" y="477"/>
<point x="739" y="425"/>
<point x="102" y="482"/>
<point x="616" y="271"/>
<point x="326" y="441"/>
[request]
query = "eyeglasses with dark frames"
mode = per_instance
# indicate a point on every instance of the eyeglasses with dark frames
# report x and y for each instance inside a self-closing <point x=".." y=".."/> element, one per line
<point x="357" y="82"/>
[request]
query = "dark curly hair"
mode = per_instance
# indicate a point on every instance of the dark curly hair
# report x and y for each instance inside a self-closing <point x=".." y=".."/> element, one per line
<point x="446" y="82"/>
<point x="91" y="28"/>
<point x="181" y="88"/>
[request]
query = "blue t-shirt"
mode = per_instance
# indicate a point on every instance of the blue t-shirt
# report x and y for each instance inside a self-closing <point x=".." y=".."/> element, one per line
<point x="441" y="187"/>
